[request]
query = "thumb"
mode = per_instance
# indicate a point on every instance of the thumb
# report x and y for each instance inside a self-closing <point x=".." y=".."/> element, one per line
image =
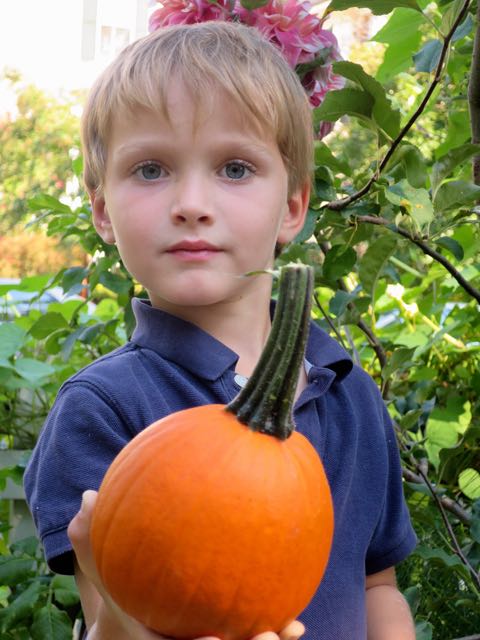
<point x="293" y="631"/>
<point x="79" y="531"/>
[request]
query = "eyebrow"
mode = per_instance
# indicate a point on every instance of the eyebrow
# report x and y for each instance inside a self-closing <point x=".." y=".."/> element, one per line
<point x="225" y="145"/>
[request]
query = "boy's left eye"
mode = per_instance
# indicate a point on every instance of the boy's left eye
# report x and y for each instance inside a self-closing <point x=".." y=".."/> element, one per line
<point x="237" y="170"/>
<point x="149" y="171"/>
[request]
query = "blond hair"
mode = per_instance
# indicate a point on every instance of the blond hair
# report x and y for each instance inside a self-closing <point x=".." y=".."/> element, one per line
<point x="206" y="57"/>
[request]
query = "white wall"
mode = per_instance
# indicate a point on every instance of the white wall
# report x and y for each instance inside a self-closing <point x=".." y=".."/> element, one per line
<point x="45" y="40"/>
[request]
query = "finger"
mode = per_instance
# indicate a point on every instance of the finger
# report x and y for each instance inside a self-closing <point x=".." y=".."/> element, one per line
<point x="293" y="631"/>
<point x="79" y="532"/>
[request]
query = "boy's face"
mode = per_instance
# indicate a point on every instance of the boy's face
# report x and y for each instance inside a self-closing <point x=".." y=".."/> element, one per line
<point x="195" y="201"/>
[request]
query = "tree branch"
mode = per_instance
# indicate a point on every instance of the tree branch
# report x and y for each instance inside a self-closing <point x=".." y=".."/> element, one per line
<point x="443" y="508"/>
<point x="447" y="503"/>
<point x="465" y="284"/>
<point x="474" y="97"/>
<point x="338" y="205"/>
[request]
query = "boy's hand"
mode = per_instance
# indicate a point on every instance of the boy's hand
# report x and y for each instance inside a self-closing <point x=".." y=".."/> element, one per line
<point x="79" y="534"/>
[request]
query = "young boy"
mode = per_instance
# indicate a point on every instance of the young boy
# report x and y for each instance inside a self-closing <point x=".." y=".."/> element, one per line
<point x="197" y="145"/>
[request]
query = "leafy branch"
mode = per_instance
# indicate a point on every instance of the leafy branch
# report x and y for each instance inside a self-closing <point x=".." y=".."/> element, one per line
<point x="427" y="250"/>
<point x="444" y="504"/>
<point x="338" y="205"/>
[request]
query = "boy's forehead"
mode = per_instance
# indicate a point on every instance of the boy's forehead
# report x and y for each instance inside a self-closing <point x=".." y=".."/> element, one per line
<point x="179" y="102"/>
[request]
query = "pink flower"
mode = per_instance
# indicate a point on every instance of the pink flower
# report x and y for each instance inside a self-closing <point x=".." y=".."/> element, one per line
<point x="290" y="25"/>
<point x="187" y="12"/>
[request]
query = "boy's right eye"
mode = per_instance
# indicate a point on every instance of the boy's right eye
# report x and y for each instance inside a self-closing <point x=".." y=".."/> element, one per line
<point x="149" y="171"/>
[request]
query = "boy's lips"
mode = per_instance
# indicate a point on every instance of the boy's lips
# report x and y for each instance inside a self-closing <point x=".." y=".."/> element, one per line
<point x="197" y="250"/>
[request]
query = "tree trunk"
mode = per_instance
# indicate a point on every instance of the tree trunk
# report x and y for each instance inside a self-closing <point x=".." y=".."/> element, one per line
<point x="474" y="96"/>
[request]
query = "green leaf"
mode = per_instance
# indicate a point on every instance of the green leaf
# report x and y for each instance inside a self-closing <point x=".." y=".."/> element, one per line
<point x="344" y="102"/>
<point x="399" y="27"/>
<point x="410" y="419"/>
<point x="77" y="166"/>
<point x="377" y="7"/>
<point x="412" y="595"/>
<point x="308" y="227"/>
<point x="383" y="114"/>
<point x="400" y="359"/>
<point x="428" y="57"/>
<point x="47" y="324"/>
<point x="108" y="308"/>
<point x="115" y="282"/>
<point x="458" y="130"/>
<point x="26" y="546"/>
<point x="44" y="201"/>
<point x="444" y="425"/>
<point x="416" y="201"/>
<point x="72" y="280"/>
<point x="22" y="607"/>
<point x="440" y="555"/>
<point x="414" y="164"/>
<point x="324" y="157"/>
<point x="338" y="262"/>
<point x="373" y="261"/>
<point x="455" y="194"/>
<point x="463" y="29"/>
<point x="324" y="190"/>
<point x="450" y="16"/>
<point x="339" y="302"/>
<point x="423" y="630"/>
<point x="445" y="166"/>
<point x="451" y="245"/>
<point x="403" y="35"/>
<point x="49" y="623"/>
<point x="11" y="339"/>
<point x="469" y="483"/>
<point x="14" y="571"/>
<point x="253" y="4"/>
<point x="66" y="309"/>
<point x="33" y="370"/>
<point x="85" y="334"/>
<point x="29" y="283"/>
<point x="65" y="589"/>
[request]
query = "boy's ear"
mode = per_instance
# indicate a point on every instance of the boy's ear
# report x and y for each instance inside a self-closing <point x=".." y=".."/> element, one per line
<point x="101" y="219"/>
<point x="294" y="219"/>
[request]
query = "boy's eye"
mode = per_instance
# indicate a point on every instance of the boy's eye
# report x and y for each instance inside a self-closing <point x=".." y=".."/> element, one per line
<point x="149" y="171"/>
<point x="237" y="170"/>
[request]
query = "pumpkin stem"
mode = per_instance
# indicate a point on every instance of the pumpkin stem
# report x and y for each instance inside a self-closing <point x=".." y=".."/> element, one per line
<point x="265" y="404"/>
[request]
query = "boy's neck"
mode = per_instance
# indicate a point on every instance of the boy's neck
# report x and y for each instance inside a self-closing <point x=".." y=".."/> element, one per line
<point x="242" y="325"/>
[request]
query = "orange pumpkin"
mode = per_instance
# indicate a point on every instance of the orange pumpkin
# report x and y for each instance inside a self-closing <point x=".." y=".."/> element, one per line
<point x="218" y="520"/>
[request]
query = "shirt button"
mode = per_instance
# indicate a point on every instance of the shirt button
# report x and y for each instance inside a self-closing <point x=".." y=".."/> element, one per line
<point x="240" y="380"/>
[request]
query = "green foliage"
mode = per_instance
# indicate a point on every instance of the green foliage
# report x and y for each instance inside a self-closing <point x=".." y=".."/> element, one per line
<point x="34" y="603"/>
<point x="392" y="231"/>
<point x="34" y="150"/>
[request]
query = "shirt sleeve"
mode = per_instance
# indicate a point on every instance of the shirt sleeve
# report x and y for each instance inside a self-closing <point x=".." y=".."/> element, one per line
<point x="80" y="438"/>
<point x="394" y="538"/>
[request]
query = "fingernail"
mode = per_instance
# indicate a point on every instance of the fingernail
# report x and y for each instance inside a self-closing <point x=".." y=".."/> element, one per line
<point x="87" y="497"/>
<point x="83" y="503"/>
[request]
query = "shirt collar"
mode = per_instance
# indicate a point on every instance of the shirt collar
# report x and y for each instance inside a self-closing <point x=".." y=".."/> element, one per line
<point x="180" y="341"/>
<point x="200" y="353"/>
<point x="323" y="352"/>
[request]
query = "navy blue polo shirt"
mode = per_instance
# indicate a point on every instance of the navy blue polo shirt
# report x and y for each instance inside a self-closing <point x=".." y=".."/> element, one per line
<point x="170" y="365"/>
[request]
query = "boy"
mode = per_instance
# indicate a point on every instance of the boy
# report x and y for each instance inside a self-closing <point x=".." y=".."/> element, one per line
<point x="197" y="147"/>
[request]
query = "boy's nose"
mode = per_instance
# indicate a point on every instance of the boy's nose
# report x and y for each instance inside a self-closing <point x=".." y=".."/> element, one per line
<point x="192" y="203"/>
